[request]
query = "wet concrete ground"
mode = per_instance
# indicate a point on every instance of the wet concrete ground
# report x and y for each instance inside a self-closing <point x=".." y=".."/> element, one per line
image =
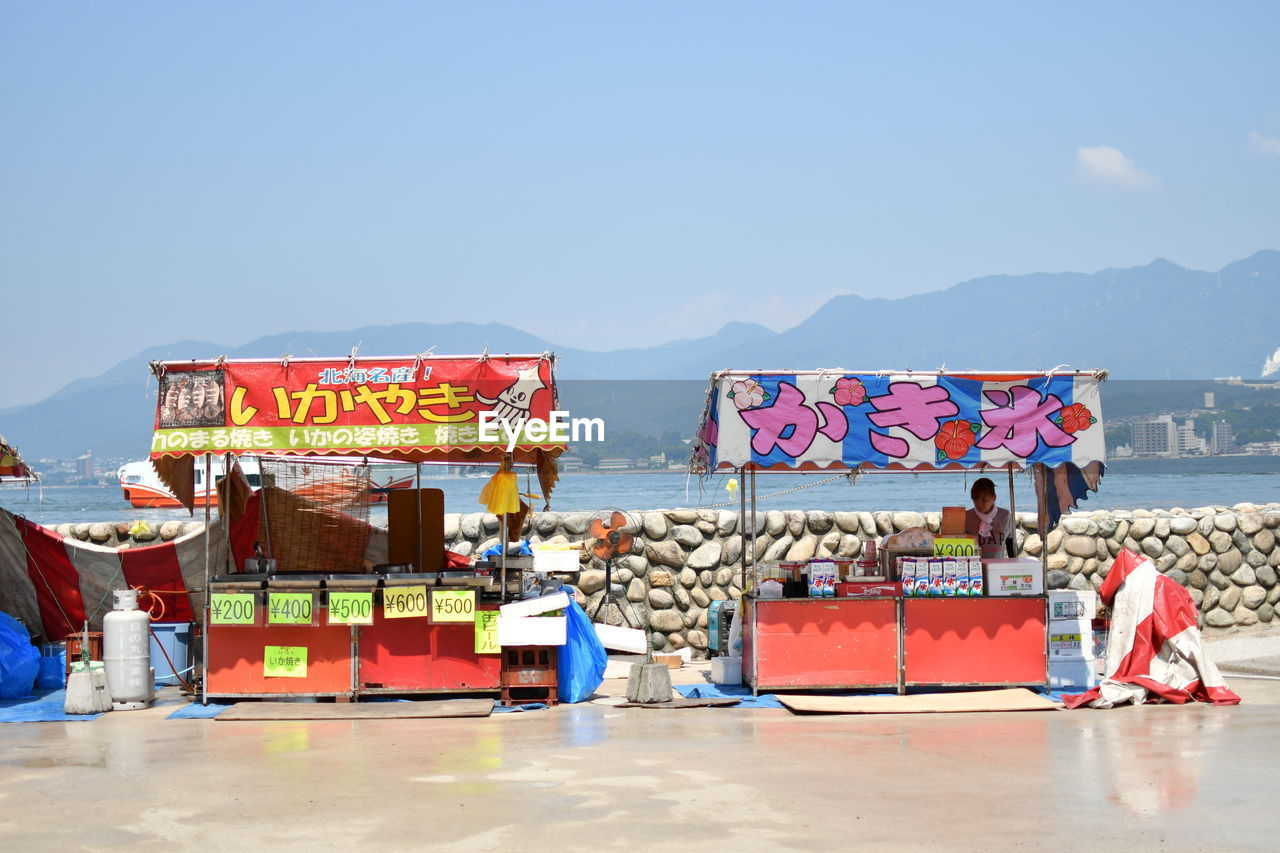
<point x="597" y="777"/>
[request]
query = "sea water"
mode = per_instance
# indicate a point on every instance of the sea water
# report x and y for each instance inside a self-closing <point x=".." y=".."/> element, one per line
<point x="1149" y="484"/>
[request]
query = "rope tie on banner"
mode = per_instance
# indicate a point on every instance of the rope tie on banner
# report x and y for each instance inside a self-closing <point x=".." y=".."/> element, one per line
<point x="220" y="361"/>
<point x="284" y="359"/>
<point x="1051" y="371"/>
<point x="420" y="357"/>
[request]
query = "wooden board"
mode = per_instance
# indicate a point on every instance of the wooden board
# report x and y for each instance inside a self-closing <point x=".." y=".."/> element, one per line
<point x="403" y="506"/>
<point x="1011" y="699"/>
<point x="356" y="710"/>
<point x="710" y="702"/>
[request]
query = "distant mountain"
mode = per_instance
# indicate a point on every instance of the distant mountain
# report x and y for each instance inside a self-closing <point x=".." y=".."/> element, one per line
<point x="1158" y="321"/>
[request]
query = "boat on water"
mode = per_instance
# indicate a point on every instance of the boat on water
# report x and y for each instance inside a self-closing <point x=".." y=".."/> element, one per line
<point x="143" y="488"/>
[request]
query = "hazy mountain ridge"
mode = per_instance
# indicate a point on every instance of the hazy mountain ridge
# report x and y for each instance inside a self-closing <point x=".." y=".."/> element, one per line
<point x="1150" y="322"/>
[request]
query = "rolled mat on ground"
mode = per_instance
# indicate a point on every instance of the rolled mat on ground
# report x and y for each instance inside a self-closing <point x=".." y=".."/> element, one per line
<point x="1154" y="650"/>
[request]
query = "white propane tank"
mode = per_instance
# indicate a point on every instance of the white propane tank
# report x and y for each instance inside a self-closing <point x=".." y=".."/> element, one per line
<point x="126" y="653"/>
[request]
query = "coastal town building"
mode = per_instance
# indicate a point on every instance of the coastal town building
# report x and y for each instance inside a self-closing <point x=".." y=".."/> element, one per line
<point x="1222" y="439"/>
<point x="1155" y="437"/>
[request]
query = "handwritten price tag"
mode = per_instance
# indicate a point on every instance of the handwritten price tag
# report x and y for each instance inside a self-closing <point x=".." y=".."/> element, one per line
<point x="404" y="602"/>
<point x="453" y="605"/>
<point x="285" y="662"/>
<point x="290" y="608"/>
<point x="954" y="546"/>
<point x="487" y="632"/>
<point x="232" y="608"/>
<point x="350" y="608"/>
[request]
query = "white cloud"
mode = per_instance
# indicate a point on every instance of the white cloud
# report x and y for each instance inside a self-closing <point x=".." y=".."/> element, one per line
<point x="1110" y="167"/>
<point x="1260" y="144"/>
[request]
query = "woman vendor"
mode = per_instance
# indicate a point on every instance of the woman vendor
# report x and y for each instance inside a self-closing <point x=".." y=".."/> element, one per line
<point x="990" y="524"/>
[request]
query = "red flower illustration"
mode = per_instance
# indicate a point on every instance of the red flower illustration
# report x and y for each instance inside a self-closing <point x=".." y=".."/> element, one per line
<point x="1075" y="418"/>
<point x="849" y="391"/>
<point x="955" y="438"/>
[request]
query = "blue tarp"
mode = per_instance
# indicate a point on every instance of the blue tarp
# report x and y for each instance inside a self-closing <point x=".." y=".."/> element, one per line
<point x="45" y="706"/>
<point x="719" y="691"/>
<point x="197" y="711"/>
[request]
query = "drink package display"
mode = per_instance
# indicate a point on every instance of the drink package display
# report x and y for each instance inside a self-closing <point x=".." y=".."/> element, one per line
<point x="922" y="577"/>
<point x="962" y="577"/>
<point x="935" y="576"/>
<point x="815" y="583"/>
<point x="907" y="574"/>
<point x="976" y="585"/>
<point x="949" y="582"/>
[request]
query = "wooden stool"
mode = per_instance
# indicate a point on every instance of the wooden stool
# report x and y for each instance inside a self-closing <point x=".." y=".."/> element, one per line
<point x="529" y="669"/>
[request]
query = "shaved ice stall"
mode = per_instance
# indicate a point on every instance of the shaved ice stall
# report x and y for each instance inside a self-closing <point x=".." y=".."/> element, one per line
<point x="313" y="601"/>
<point x="917" y="607"/>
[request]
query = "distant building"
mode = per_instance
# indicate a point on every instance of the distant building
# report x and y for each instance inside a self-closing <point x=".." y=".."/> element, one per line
<point x="1208" y="400"/>
<point x="614" y="464"/>
<point x="1155" y="437"/>
<point x="1223" y="438"/>
<point x="1188" y="441"/>
<point x="570" y="463"/>
<point x="84" y="466"/>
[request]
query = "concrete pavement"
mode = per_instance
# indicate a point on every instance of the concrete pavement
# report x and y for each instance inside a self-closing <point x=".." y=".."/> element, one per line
<point x="592" y="776"/>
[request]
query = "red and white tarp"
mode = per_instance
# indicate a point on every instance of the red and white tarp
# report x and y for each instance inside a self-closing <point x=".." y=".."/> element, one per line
<point x="1154" y="650"/>
<point x="55" y="584"/>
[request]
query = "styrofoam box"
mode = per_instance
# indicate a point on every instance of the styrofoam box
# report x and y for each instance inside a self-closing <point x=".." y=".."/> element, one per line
<point x="1072" y="604"/>
<point x="532" y="630"/>
<point x="557" y="562"/>
<point x="622" y="639"/>
<point x="1018" y="576"/>
<point x="1072" y="673"/>
<point x="726" y="670"/>
<point x="1071" y="639"/>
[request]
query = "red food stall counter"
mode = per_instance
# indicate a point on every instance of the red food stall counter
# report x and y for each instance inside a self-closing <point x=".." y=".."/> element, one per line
<point x="819" y="643"/>
<point x="975" y="641"/>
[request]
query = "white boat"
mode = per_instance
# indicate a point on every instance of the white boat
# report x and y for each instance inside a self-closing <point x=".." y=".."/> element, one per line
<point x="144" y="489"/>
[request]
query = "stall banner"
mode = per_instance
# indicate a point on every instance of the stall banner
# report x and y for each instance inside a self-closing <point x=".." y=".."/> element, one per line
<point x="357" y="406"/>
<point x="831" y="419"/>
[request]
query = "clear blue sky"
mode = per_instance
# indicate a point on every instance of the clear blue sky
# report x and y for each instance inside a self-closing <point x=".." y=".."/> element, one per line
<point x="599" y="174"/>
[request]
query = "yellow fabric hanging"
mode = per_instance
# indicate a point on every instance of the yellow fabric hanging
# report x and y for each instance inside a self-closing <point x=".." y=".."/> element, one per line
<point x="502" y="493"/>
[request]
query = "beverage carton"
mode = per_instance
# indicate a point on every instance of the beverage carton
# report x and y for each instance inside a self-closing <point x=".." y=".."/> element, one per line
<point x="949" y="583"/>
<point x="976" y="586"/>
<point x="922" y="577"/>
<point x="935" y="576"/>
<point x="907" y="574"/>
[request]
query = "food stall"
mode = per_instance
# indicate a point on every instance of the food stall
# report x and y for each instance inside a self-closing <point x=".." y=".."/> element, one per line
<point x="311" y="602"/>
<point x="879" y="631"/>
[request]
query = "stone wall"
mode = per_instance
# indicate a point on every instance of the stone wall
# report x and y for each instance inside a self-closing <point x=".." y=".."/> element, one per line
<point x="1227" y="557"/>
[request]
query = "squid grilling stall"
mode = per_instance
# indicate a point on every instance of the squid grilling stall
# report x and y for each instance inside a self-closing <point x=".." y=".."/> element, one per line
<point x="316" y="601"/>
<point x="917" y="607"/>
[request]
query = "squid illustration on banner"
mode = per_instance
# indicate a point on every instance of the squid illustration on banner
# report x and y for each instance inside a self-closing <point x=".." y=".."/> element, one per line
<point x="834" y="419"/>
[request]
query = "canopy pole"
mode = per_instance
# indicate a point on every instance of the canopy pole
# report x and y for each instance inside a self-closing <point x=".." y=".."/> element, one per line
<point x="417" y="473"/>
<point x="204" y="634"/>
<point x="742" y="529"/>
<point x="754" y="526"/>
<point x="1013" y="512"/>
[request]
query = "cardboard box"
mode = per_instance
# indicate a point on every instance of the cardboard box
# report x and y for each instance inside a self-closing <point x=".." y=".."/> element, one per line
<point x="1019" y="576"/>
<point x="1072" y="604"/>
<point x="1071" y="640"/>
<point x="726" y="670"/>
<point x="952" y="521"/>
<point x="1072" y="674"/>
<point x="671" y="659"/>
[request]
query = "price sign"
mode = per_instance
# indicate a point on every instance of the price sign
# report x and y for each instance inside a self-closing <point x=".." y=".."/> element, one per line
<point x="404" y="602"/>
<point x="487" y="632"/>
<point x="233" y="608"/>
<point x="954" y="546"/>
<point x="350" y="608"/>
<point x="453" y="605"/>
<point x="290" y="608"/>
<point x="285" y="662"/>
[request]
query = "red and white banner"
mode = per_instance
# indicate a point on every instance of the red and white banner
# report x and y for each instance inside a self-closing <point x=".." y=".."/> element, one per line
<point x="1154" y="649"/>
